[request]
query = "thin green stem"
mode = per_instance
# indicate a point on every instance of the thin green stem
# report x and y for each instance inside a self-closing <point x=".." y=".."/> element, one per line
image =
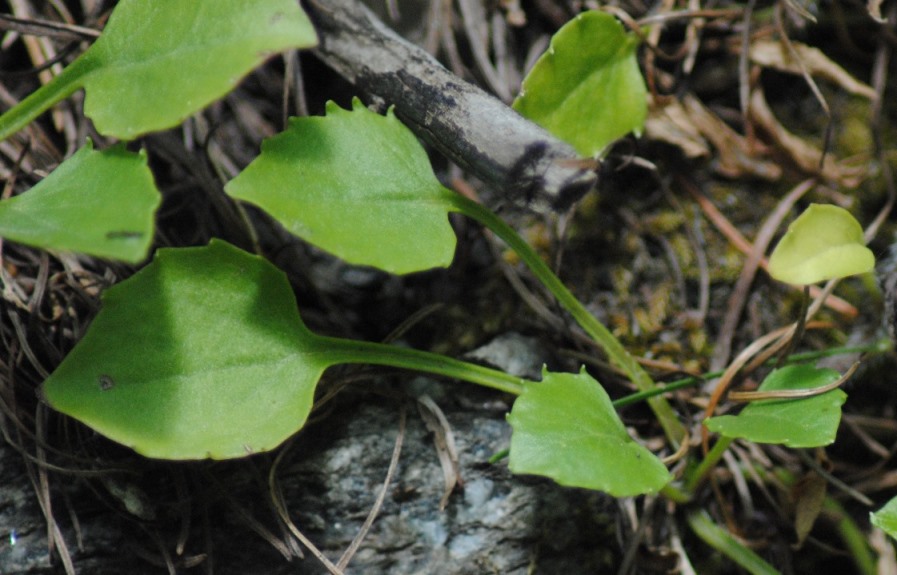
<point x="351" y="351"/>
<point x="59" y="88"/>
<point x="723" y="541"/>
<point x="709" y="462"/>
<point x="854" y="539"/>
<point x="659" y="389"/>
<point x="674" y="492"/>
<point x="615" y="351"/>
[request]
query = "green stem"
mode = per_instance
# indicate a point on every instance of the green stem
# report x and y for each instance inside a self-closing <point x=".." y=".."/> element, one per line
<point x="723" y="541"/>
<point x="853" y="537"/>
<point x="59" y="88"/>
<point x="877" y="346"/>
<point x="673" y="492"/>
<point x="615" y="351"/>
<point x="660" y="390"/>
<point x="709" y="462"/>
<point x="351" y="351"/>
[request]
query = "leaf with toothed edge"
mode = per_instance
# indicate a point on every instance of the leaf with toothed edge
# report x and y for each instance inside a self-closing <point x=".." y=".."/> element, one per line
<point x="566" y="428"/>
<point x="356" y="184"/>
<point x="587" y="88"/>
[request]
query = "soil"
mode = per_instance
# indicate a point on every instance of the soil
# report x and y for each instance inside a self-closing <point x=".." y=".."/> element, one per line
<point x="647" y="252"/>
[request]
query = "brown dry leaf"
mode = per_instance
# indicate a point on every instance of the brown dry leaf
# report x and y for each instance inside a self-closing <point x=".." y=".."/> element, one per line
<point x="672" y="124"/>
<point x="774" y="54"/>
<point x="808" y="495"/>
<point x="804" y="155"/>
<point x="689" y="125"/>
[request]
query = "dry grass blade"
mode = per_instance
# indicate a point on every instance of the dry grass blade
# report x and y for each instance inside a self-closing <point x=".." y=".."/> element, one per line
<point x="805" y="156"/>
<point x="375" y="509"/>
<point x="48" y="28"/>
<point x="808" y="61"/>
<point x="748" y="271"/>
<point x="283" y="514"/>
<point x="41" y="482"/>
<point x="445" y="445"/>
<point x="747" y="396"/>
<point x="248" y="519"/>
<point x="740" y="361"/>
<point x="40" y="50"/>
<point x="834" y="481"/>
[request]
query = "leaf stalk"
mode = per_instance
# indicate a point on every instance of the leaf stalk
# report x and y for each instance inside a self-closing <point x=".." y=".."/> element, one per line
<point x="672" y="427"/>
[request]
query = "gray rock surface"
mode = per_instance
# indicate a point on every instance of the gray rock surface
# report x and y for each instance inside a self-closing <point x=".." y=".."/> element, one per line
<point x="496" y="523"/>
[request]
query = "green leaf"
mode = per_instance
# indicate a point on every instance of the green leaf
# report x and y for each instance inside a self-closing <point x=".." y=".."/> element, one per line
<point x="158" y="62"/>
<point x="823" y="243"/>
<point x="587" y="88"/>
<point x="356" y="184"/>
<point x="200" y="354"/>
<point x="98" y="203"/>
<point x="565" y="428"/>
<point x="807" y="422"/>
<point x="886" y="518"/>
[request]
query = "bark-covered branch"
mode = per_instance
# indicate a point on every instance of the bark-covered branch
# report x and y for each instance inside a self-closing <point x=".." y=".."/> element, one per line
<point x="475" y="130"/>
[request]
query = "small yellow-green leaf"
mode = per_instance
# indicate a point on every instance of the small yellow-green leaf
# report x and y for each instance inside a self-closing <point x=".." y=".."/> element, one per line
<point x="565" y="428"/>
<point x="825" y="242"/>
<point x="587" y="88"/>
<point x="98" y="203"/>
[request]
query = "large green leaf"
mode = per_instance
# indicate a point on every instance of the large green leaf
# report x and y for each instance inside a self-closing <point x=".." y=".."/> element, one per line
<point x="807" y="422"/>
<point x="158" y="62"/>
<point x="98" y="203"/>
<point x="356" y="184"/>
<point x="565" y="428"/>
<point x="200" y="354"/>
<point x="587" y="88"/>
<point x="886" y="518"/>
<point x="823" y="243"/>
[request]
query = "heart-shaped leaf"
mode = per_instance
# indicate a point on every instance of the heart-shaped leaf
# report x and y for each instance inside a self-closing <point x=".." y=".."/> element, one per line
<point x="200" y="354"/>
<point x="158" y="62"/>
<point x="98" y="203"/>
<point x="806" y="422"/>
<point x="587" y="88"/>
<point x="356" y="184"/>
<point x="886" y="518"/>
<point x="565" y="428"/>
<point x="823" y="243"/>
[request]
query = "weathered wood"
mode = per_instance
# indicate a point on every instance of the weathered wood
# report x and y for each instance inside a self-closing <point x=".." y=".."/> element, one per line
<point x="522" y="161"/>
